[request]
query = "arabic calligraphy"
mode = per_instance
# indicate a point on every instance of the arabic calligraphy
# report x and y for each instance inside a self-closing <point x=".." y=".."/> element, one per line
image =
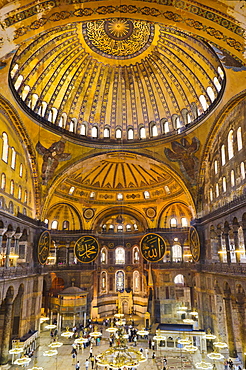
<point x="152" y="247"/>
<point x="194" y="242"/>
<point x="118" y="38"/>
<point x="43" y="247"/>
<point x="86" y="249"/>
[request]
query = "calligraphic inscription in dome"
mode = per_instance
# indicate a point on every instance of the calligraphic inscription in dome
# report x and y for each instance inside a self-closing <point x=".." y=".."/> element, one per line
<point x="118" y="38"/>
<point x="44" y="247"/>
<point x="152" y="247"/>
<point x="194" y="242"/>
<point x="86" y="249"/>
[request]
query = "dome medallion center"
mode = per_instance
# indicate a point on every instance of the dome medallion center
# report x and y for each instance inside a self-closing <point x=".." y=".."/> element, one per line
<point x="118" y="38"/>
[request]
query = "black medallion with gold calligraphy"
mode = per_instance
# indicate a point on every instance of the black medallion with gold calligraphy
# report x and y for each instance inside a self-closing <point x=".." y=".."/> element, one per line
<point x="86" y="249"/>
<point x="152" y="247"/>
<point x="44" y="247"/>
<point x="194" y="242"/>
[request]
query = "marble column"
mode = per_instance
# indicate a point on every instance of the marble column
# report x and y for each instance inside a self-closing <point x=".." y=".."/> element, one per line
<point x="9" y="235"/>
<point x="227" y="243"/>
<point x="229" y="324"/>
<point x="4" y="356"/>
<point x="236" y="242"/>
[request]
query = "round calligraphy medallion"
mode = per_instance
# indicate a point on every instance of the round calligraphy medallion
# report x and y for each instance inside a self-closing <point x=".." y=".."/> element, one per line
<point x="152" y="247"/>
<point x="86" y="249"/>
<point x="150" y="212"/>
<point x="44" y="247"/>
<point x="118" y="38"/>
<point x="88" y="213"/>
<point x="194" y="242"/>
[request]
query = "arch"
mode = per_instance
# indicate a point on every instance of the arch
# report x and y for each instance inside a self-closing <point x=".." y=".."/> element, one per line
<point x="130" y="134"/>
<point x="62" y="212"/>
<point x="230" y="144"/>
<point x="179" y="280"/>
<point x="120" y="280"/>
<point x="120" y="256"/>
<point x="239" y="139"/>
<point x="5" y="147"/>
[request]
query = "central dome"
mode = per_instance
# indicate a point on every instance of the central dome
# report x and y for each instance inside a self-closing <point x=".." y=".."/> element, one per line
<point x="116" y="79"/>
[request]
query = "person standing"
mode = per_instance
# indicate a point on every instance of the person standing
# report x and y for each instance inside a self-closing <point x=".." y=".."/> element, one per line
<point x="86" y="364"/>
<point x="77" y="366"/>
<point x="92" y="361"/>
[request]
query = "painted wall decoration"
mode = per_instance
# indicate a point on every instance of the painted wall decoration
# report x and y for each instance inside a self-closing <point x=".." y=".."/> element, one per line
<point x="183" y="152"/>
<point x="44" y="247"/>
<point x="86" y="249"/>
<point x="194" y="242"/>
<point x="152" y="247"/>
<point x="52" y="156"/>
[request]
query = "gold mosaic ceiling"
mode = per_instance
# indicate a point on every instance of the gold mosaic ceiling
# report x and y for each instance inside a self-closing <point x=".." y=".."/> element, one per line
<point x="115" y="73"/>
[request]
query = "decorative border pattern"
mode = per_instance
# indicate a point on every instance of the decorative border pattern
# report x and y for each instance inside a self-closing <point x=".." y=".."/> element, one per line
<point x="103" y="10"/>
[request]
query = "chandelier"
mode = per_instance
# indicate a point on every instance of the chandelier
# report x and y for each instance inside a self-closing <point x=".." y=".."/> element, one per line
<point x="120" y="355"/>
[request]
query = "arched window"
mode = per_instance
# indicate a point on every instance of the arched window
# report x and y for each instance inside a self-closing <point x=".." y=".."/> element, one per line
<point x="211" y="94"/>
<point x="146" y="195"/>
<point x="239" y="139"/>
<point x="173" y="222"/>
<point x="136" y="281"/>
<point x="230" y="144"/>
<point x="103" y="281"/>
<point x="5" y="148"/>
<point x="211" y="194"/>
<point x="83" y="129"/>
<point x="13" y="158"/>
<point x="92" y="194"/>
<point x="54" y="225"/>
<point x="25" y="92"/>
<point x="232" y="178"/>
<point x="52" y="115"/>
<point x="72" y="125"/>
<point x="154" y="131"/>
<point x="25" y="196"/>
<point x="242" y="168"/>
<point x="179" y="279"/>
<point x="217" y="84"/>
<point x="167" y="190"/>
<point x="120" y="280"/>
<point x="119" y="196"/>
<point x="118" y="133"/>
<point x="177" y="253"/>
<point x="223" y="160"/>
<point x="120" y="228"/>
<point x="14" y="70"/>
<point x="71" y="190"/>
<point x="215" y="167"/>
<point x="184" y="222"/>
<point x="166" y="127"/>
<point x="65" y="225"/>
<point x="21" y="170"/>
<point x="203" y="102"/>
<point x="130" y="133"/>
<point x="42" y="109"/>
<point x="63" y="120"/>
<point x="103" y="256"/>
<point x="128" y="227"/>
<point x="188" y="118"/>
<point x="94" y="132"/>
<point x="221" y="73"/>
<point x="3" y="181"/>
<point x="11" y="207"/>
<point x="217" y="190"/>
<point x="135" y="255"/>
<point x="106" y="132"/>
<point x="12" y="187"/>
<point x="120" y="256"/>
<point x="177" y="123"/>
<point x="19" y="192"/>
<point x="224" y="184"/>
<point x="34" y="101"/>
<point x="142" y="133"/>
<point x="18" y="82"/>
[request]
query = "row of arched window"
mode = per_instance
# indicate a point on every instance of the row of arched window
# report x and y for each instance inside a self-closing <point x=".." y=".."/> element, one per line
<point x="218" y="189"/>
<point x="22" y="196"/>
<point x="231" y="147"/>
<point x="176" y="122"/>
<point x="5" y="154"/>
<point x="119" y="281"/>
<point x="120" y="257"/>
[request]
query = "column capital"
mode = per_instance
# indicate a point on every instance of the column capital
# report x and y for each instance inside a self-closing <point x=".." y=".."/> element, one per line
<point x="9" y="234"/>
<point x="17" y="235"/>
<point x="2" y="231"/>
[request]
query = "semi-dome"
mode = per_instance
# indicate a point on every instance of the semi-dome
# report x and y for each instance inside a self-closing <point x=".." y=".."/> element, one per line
<point x="116" y="79"/>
